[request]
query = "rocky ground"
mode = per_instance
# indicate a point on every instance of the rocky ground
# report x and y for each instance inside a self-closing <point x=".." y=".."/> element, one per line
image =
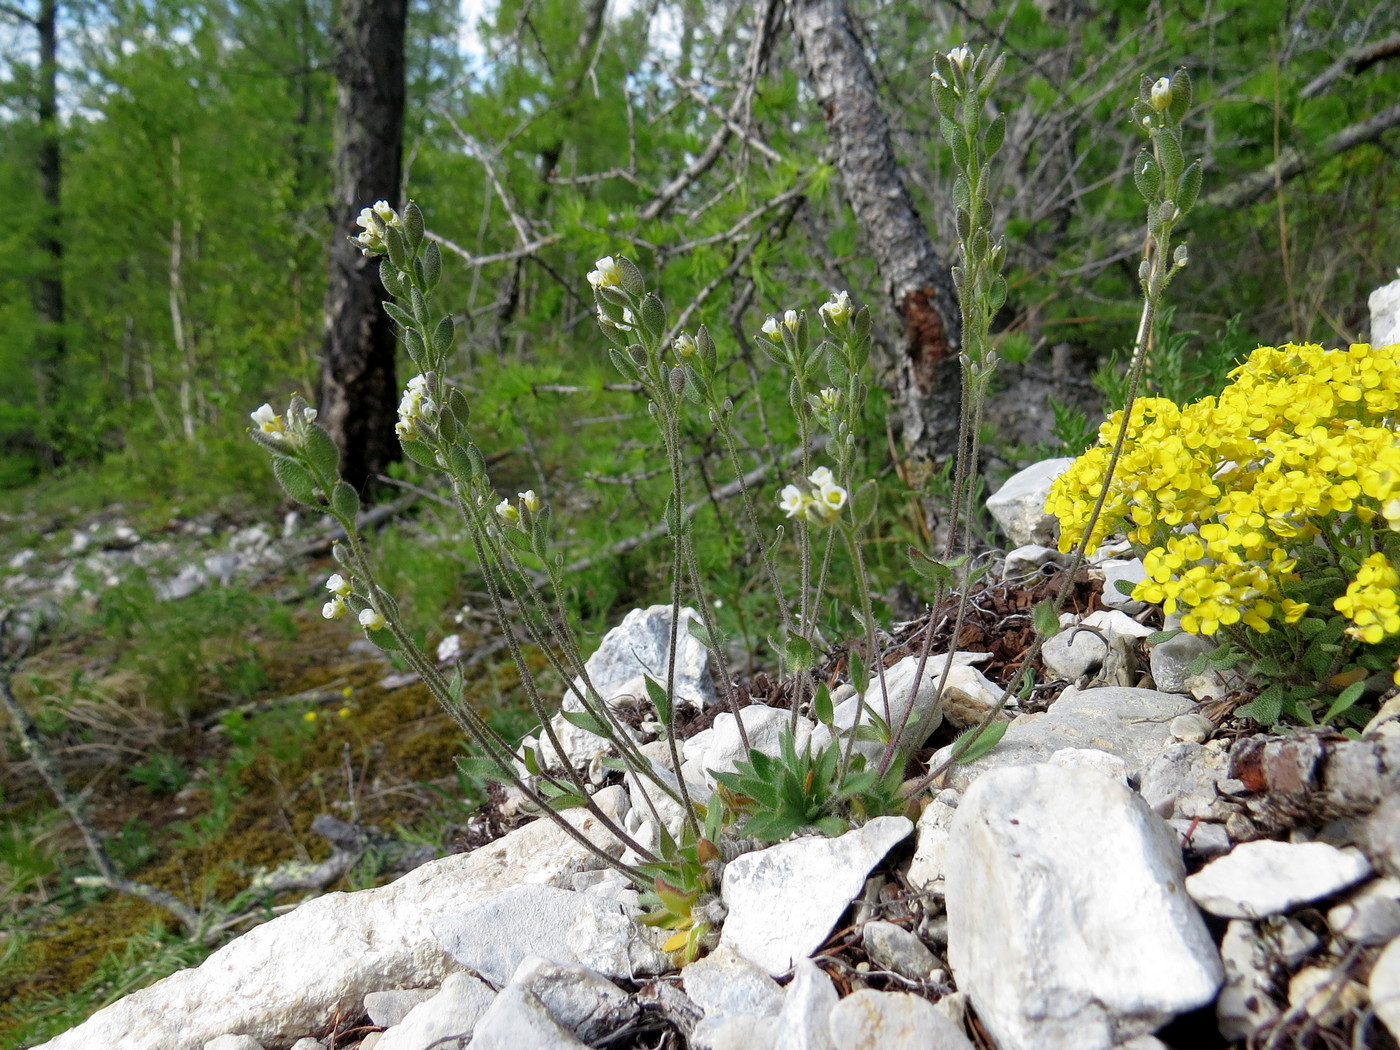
<point x="1129" y="867"/>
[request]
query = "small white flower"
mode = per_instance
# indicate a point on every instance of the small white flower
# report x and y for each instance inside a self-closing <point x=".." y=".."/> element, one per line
<point x="830" y="498"/>
<point x="961" y="57"/>
<point x="607" y="274"/>
<point x="308" y="416"/>
<point x="415" y="407"/>
<point x="529" y="500"/>
<point x="269" y="422"/>
<point x="334" y="609"/>
<point x="822" y="477"/>
<point x="790" y="319"/>
<point x="449" y="650"/>
<point x="770" y="329"/>
<point x="389" y="216"/>
<point x="371" y="620"/>
<point x="830" y="397"/>
<point x="369" y="222"/>
<point x="1162" y="94"/>
<point x="836" y="311"/>
<point x="794" y="501"/>
<point x="507" y="512"/>
<point x="685" y="346"/>
<point x="338" y="585"/>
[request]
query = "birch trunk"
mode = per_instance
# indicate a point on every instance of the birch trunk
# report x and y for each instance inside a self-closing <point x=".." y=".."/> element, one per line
<point x="925" y="381"/>
<point x="358" y="390"/>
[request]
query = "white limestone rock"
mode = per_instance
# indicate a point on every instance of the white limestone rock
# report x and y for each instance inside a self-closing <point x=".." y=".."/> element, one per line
<point x="638" y="646"/>
<point x="967" y="696"/>
<point x="1255" y="954"/>
<point x="233" y="1042"/>
<point x="1170" y="661"/>
<point x="1184" y="782"/>
<point x="266" y="985"/>
<point x="784" y="900"/>
<point x="1067" y="925"/>
<point x="518" y="1020"/>
<point x="1370" y="916"/>
<point x="1073" y="653"/>
<point x="584" y="1002"/>
<point x="894" y="948"/>
<point x="1256" y="879"/>
<point x="808" y="1004"/>
<point x="1385" y="314"/>
<point x="1030" y="562"/>
<point x="445" y="1021"/>
<point x="1130" y="723"/>
<point x="1019" y="505"/>
<point x="388" y="1008"/>
<point x="1127" y="570"/>
<point x="930" y="855"/>
<point x="718" y="749"/>
<point x="874" y="1020"/>
<point x="735" y="994"/>
<point x="1385" y="988"/>
<point x="562" y="926"/>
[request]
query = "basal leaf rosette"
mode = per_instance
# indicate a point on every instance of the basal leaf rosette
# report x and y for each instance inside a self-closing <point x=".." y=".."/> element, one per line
<point x="1273" y="505"/>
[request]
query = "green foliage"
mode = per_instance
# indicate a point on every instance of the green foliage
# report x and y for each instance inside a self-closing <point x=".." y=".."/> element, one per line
<point x="178" y="647"/>
<point x="798" y="789"/>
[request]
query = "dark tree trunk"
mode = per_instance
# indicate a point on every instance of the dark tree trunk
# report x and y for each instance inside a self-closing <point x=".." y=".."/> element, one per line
<point x="926" y="382"/>
<point x="48" y="291"/>
<point x="358" y="390"/>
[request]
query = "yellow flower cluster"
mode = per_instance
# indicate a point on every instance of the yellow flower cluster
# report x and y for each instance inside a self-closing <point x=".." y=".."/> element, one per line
<point x="1372" y="602"/>
<point x="1221" y="493"/>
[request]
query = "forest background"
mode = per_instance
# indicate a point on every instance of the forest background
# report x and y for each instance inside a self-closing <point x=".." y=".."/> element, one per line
<point x="173" y="213"/>
<point x="184" y="228"/>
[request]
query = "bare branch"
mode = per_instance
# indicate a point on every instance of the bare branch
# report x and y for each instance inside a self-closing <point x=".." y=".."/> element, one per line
<point x="526" y="251"/>
<point x="1357" y="60"/>
<point x="1292" y="161"/>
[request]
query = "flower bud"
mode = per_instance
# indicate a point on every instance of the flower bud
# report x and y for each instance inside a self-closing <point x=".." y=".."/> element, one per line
<point x="1161" y="96"/>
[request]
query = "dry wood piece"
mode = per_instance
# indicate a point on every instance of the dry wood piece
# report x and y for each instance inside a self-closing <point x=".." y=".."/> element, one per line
<point x="1310" y="778"/>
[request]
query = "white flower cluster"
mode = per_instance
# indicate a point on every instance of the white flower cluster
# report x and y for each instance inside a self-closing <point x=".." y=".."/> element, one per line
<point x="372" y="222"/>
<point x="339" y="587"/>
<point x="274" y="426"/>
<point x="836" y="311"/>
<point x="820" y="504"/>
<point x="607" y="274"/>
<point x="773" y="332"/>
<point x="415" y="407"/>
<point x="507" y="511"/>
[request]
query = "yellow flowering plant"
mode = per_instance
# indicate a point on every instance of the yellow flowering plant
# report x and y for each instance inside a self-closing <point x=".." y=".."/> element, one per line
<point x="1267" y="517"/>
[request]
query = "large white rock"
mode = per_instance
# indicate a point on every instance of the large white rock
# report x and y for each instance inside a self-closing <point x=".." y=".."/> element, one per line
<point x="1385" y="314"/>
<point x="267" y="985"/>
<point x="445" y="1021"/>
<point x="493" y="937"/>
<point x="874" y="1020"/>
<point x="1262" y="878"/>
<point x="1068" y="925"/>
<point x="784" y="900"/>
<point x="638" y="646"/>
<point x="1019" y="505"/>
<point x="584" y="1002"/>
<point x="736" y="995"/>
<point x="809" y="1002"/>
<point x="1133" y="724"/>
<point x="967" y="697"/>
<point x="518" y="1020"/>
